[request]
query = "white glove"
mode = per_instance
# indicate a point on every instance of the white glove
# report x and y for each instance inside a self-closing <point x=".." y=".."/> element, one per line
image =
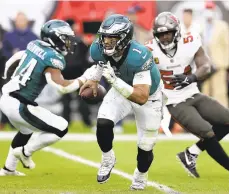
<point x="87" y="74"/>
<point x="93" y="73"/>
<point x="108" y="73"/>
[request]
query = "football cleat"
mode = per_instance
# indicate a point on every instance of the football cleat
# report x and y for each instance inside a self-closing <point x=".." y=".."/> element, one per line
<point x="26" y="161"/>
<point x="139" y="180"/>
<point x="4" y="172"/>
<point x="188" y="161"/>
<point x="106" y="167"/>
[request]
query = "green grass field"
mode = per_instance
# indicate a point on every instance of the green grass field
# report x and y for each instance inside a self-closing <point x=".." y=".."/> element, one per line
<point x="55" y="174"/>
<point x="79" y="127"/>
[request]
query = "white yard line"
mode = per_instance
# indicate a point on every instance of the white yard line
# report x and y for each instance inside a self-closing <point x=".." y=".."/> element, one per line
<point x="79" y="159"/>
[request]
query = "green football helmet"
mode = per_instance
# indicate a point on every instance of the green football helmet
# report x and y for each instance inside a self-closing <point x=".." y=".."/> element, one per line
<point x="59" y="35"/>
<point x="119" y="29"/>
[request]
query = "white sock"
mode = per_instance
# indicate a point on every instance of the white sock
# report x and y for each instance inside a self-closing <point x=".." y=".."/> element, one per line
<point x="142" y="173"/>
<point x="44" y="139"/>
<point x="105" y="154"/>
<point x="11" y="160"/>
<point x="194" y="150"/>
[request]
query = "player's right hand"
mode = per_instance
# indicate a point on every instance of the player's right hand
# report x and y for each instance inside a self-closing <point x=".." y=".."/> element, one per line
<point x="90" y="84"/>
<point x="180" y="81"/>
<point x="108" y="73"/>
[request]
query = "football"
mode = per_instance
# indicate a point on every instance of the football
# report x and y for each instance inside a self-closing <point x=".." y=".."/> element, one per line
<point x="88" y="97"/>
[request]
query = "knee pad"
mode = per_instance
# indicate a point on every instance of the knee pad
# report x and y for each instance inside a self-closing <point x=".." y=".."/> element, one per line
<point x="147" y="141"/>
<point x="105" y="134"/>
<point x="144" y="158"/>
<point x="104" y="124"/>
<point x="207" y="134"/>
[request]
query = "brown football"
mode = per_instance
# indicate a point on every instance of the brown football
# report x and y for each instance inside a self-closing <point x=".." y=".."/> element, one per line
<point x="88" y="97"/>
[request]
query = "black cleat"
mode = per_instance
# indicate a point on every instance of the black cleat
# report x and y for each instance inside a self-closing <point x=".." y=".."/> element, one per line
<point x="188" y="161"/>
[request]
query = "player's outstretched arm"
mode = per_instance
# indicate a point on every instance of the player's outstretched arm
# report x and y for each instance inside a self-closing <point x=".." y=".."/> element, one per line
<point x="202" y="63"/>
<point x="138" y="93"/>
<point x="14" y="60"/>
<point x="55" y="78"/>
<point x="203" y="69"/>
<point x="93" y="76"/>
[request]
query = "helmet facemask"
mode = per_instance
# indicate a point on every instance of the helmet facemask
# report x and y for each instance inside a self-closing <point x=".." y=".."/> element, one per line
<point x="63" y="43"/>
<point x="109" y="44"/>
<point x="167" y="26"/>
<point x="69" y="43"/>
<point x="167" y="44"/>
<point x="60" y="38"/>
<point x="112" y="44"/>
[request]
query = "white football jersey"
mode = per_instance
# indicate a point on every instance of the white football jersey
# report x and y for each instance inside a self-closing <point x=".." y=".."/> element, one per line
<point x="181" y="63"/>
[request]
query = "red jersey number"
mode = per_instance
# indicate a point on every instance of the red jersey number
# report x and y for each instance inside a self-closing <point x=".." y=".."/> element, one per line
<point x="167" y="80"/>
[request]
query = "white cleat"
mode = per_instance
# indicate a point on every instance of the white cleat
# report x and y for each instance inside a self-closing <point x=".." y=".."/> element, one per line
<point x="4" y="172"/>
<point x="106" y="167"/>
<point x="27" y="162"/>
<point x="139" y="180"/>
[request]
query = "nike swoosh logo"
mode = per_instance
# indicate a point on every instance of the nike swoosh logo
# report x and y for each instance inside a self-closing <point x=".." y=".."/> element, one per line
<point x="186" y="158"/>
<point x="144" y="56"/>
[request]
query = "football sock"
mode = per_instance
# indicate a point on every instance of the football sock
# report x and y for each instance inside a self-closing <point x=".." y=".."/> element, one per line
<point x="194" y="150"/>
<point x="215" y="150"/>
<point x="19" y="140"/>
<point x="144" y="160"/>
<point x="11" y="161"/>
<point x="220" y="132"/>
<point x="44" y="139"/>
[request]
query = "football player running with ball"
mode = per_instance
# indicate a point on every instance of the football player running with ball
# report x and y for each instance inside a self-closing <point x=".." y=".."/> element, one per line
<point x="41" y="63"/>
<point x="136" y="86"/>
<point x="182" y="62"/>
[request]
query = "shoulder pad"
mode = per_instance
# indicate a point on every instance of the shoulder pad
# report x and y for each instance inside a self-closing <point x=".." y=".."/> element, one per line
<point x="56" y="60"/>
<point x="149" y="45"/>
<point x="140" y="57"/>
<point x="96" y="52"/>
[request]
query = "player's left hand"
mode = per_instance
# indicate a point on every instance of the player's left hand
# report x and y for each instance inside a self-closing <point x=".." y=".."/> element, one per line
<point x="180" y="81"/>
<point x="108" y="73"/>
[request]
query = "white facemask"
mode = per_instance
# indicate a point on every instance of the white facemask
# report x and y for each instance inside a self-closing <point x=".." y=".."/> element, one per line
<point x="109" y="52"/>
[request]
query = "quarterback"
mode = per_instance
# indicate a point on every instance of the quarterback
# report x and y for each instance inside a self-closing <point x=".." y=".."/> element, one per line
<point x="136" y="86"/>
<point x="182" y="62"/>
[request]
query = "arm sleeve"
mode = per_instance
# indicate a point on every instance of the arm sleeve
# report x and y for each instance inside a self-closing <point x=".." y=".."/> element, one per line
<point x="64" y="90"/>
<point x="143" y="77"/>
<point x="17" y="56"/>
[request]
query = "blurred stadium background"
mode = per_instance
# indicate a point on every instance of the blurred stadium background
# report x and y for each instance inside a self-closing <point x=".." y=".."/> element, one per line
<point x="20" y="22"/>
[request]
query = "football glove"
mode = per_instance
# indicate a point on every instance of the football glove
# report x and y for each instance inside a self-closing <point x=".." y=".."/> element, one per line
<point x="180" y="81"/>
<point x="108" y="73"/>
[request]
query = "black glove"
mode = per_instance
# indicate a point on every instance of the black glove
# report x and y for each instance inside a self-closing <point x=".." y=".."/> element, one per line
<point x="180" y="81"/>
